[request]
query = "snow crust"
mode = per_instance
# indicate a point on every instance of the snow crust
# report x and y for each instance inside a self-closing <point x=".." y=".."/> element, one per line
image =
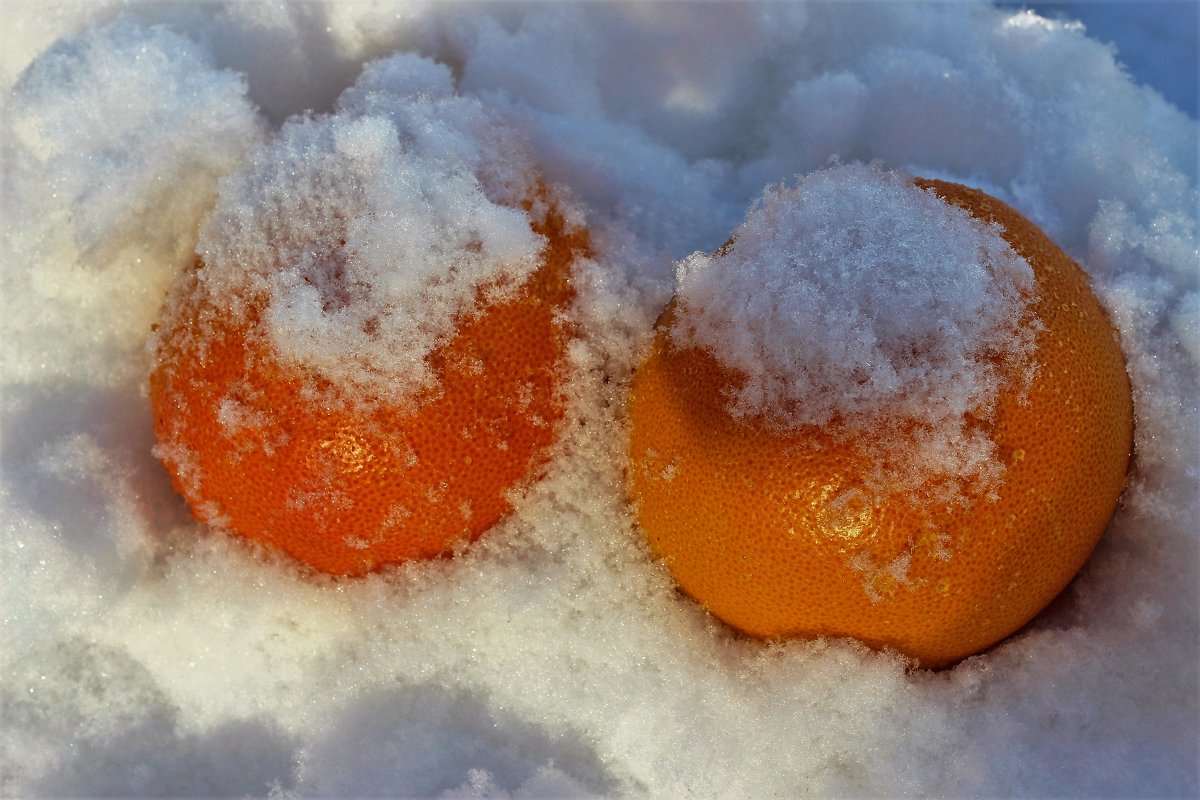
<point x="143" y="655"/>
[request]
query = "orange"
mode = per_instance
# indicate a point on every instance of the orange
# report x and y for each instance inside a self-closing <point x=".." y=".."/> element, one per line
<point x="778" y="535"/>
<point x="258" y="449"/>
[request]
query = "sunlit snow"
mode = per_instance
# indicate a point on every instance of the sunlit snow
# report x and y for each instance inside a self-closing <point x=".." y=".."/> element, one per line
<point x="144" y="654"/>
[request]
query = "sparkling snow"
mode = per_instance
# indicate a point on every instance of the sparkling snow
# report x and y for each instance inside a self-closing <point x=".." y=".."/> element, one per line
<point x="142" y="654"/>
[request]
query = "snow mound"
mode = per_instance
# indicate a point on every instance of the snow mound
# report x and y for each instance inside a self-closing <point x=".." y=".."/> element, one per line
<point x="858" y="302"/>
<point x="361" y="236"/>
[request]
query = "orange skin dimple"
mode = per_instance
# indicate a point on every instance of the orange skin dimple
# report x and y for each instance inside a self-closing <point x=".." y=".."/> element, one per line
<point x="346" y="489"/>
<point x="779" y="536"/>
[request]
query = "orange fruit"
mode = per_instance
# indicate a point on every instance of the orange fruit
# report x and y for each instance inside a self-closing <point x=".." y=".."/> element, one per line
<point x="258" y="448"/>
<point x="776" y="533"/>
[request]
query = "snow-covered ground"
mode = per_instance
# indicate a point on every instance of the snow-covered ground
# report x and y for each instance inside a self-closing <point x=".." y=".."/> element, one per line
<point x="142" y="654"/>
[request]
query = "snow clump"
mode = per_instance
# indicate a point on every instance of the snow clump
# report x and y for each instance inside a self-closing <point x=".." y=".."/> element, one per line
<point x="859" y="302"/>
<point x="363" y="235"/>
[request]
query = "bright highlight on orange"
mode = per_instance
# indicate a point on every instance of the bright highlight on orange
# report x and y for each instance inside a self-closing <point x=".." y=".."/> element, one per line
<point x="778" y="534"/>
<point x="344" y="488"/>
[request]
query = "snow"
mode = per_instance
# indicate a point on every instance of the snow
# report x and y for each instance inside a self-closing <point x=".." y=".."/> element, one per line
<point x="366" y="233"/>
<point x="862" y="304"/>
<point x="143" y="654"/>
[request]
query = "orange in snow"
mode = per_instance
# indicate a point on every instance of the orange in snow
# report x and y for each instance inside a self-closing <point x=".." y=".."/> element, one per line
<point x="347" y="489"/>
<point x="777" y="535"/>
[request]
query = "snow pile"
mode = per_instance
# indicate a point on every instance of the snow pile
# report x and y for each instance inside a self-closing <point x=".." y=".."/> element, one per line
<point x="362" y="236"/>
<point x="857" y="302"/>
<point x="143" y="654"/>
<point x="114" y="144"/>
<point x="1158" y="42"/>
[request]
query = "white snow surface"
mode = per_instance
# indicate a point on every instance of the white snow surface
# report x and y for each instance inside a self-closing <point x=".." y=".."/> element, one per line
<point x="142" y="654"/>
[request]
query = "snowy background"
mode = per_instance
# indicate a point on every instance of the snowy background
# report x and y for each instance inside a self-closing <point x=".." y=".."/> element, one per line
<point x="143" y="655"/>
